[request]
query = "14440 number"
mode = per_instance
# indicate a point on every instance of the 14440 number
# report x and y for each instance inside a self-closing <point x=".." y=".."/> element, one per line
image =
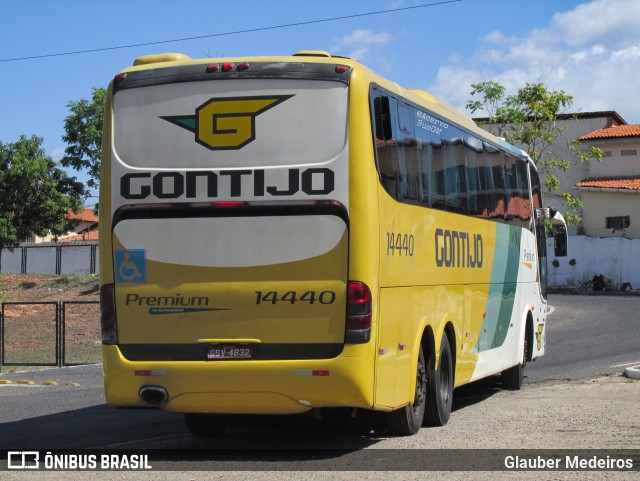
<point x="293" y="297"/>
<point x="399" y="244"/>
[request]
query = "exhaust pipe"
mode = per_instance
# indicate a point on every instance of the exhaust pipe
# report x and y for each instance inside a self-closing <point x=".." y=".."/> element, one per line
<point x="153" y="394"/>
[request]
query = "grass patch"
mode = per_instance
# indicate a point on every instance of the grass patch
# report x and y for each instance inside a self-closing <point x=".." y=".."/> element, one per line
<point x="73" y="280"/>
<point x="3" y="296"/>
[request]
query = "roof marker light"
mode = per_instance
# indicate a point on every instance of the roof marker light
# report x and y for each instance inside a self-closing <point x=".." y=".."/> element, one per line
<point x="243" y="66"/>
<point x="341" y="68"/>
<point x="214" y="67"/>
<point x="120" y="77"/>
<point x="226" y="67"/>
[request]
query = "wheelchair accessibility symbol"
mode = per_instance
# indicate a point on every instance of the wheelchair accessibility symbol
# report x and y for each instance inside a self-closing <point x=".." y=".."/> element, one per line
<point x="131" y="266"/>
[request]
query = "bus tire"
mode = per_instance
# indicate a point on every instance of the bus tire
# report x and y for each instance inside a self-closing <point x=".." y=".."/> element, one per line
<point x="206" y="425"/>
<point x="440" y="387"/>
<point x="407" y="420"/>
<point x="513" y="377"/>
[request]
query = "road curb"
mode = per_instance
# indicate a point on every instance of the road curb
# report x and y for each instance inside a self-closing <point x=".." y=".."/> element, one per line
<point x="632" y="372"/>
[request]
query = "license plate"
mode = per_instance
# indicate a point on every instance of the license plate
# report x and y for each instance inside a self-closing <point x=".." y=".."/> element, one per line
<point x="233" y="351"/>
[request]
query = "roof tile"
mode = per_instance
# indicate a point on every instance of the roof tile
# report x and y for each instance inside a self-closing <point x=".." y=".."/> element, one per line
<point x="86" y="215"/>
<point x="627" y="183"/>
<point x="614" y="132"/>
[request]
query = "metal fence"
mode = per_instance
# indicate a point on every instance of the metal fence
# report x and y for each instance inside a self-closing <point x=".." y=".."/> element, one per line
<point x="50" y="333"/>
<point x="51" y="258"/>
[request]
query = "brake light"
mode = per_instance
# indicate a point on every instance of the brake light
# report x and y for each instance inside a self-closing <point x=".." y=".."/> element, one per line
<point x="108" y="321"/>
<point x="227" y="204"/>
<point x="359" y="302"/>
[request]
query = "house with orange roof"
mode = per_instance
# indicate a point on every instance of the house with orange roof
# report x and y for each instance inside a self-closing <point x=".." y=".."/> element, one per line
<point x="611" y="192"/>
<point x="87" y="228"/>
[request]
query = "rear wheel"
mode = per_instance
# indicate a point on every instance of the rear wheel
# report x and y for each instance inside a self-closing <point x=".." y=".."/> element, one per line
<point x="408" y="419"/>
<point x="440" y="387"/>
<point x="206" y="425"/>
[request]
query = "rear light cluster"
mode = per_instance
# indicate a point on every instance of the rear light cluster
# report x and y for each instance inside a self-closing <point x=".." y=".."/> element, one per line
<point x="359" y="302"/>
<point x="108" y="321"/>
<point x="242" y="66"/>
<point x="228" y="67"/>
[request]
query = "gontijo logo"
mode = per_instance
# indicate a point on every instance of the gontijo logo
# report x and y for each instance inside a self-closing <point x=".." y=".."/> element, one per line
<point x="226" y="123"/>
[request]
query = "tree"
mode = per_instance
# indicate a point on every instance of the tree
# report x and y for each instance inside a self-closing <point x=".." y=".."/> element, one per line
<point x="528" y="119"/>
<point x="83" y="134"/>
<point x="35" y="194"/>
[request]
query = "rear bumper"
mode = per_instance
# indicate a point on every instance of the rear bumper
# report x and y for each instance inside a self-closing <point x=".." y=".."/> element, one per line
<point x="244" y="387"/>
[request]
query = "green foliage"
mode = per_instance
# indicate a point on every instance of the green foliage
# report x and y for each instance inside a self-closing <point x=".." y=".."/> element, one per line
<point x="35" y="194"/>
<point x="528" y="119"/>
<point x="83" y="134"/>
<point x="3" y="296"/>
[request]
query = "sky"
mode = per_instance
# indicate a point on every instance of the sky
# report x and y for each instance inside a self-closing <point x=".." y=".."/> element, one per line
<point x="589" y="49"/>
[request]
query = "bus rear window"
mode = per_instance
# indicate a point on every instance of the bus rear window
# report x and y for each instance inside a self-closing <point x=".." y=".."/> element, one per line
<point x="230" y="124"/>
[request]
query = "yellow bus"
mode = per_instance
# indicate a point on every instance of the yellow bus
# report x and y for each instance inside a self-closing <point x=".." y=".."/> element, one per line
<point x="287" y="234"/>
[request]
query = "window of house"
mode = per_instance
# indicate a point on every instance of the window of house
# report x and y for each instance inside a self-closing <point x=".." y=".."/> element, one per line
<point x="618" y="223"/>
<point x="629" y="152"/>
<point x="606" y="153"/>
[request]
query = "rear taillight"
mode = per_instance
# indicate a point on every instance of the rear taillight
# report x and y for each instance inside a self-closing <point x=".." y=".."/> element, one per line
<point x="108" y="321"/>
<point x="359" y="301"/>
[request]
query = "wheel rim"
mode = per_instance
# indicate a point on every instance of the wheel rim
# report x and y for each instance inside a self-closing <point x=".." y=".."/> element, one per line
<point x="421" y="387"/>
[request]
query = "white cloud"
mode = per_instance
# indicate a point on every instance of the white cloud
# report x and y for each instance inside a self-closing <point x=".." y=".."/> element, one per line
<point x="366" y="37"/>
<point x="495" y="37"/>
<point x="616" y="20"/>
<point x="57" y="153"/>
<point x="359" y="43"/>
<point x="591" y="52"/>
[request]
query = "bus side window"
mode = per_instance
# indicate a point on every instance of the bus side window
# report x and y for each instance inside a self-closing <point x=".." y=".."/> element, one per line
<point x="476" y="198"/>
<point x="494" y="182"/>
<point x="518" y="208"/>
<point x="382" y="116"/>
<point x="386" y="147"/>
<point x="429" y="162"/>
<point x="454" y="170"/>
<point x="408" y="152"/>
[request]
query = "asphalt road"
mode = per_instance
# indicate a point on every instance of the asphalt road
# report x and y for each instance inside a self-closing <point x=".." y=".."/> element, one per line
<point x="587" y="337"/>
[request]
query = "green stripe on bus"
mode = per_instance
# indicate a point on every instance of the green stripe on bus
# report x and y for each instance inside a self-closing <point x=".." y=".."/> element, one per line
<point x="502" y="291"/>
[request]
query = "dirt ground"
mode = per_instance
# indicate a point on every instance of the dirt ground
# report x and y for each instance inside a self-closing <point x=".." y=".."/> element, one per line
<point x="43" y="288"/>
<point x="31" y="331"/>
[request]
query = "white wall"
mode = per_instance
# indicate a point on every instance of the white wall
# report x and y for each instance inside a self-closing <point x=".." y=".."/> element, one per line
<point x="615" y="258"/>
<point x="598" y="205"/>
<point x="617" y="165"/>
<point x="51" y="259"/>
